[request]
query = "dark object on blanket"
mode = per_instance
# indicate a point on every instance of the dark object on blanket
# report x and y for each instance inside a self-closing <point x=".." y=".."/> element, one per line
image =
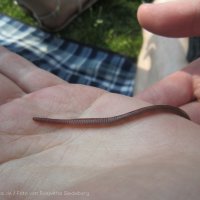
<point x="194" y="49"/>
<point x="55" y="14"/>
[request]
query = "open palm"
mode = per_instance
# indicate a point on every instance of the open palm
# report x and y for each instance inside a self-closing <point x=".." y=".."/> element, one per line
<point x="44" y="161"/>
<point x="43" y="157"/>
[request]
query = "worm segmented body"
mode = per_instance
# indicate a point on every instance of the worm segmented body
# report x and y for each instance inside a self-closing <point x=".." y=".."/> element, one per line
<point x="110" y="120"/>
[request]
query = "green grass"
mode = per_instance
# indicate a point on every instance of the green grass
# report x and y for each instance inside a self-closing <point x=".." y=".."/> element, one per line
<point x="108" y="24"/>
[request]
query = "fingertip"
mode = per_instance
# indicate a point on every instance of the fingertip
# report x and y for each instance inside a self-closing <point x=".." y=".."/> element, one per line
<point x="142" y="12"/>
<point x="171" y="19"/>
<point x="196" y="86"/>
<point x="149" y="17"/>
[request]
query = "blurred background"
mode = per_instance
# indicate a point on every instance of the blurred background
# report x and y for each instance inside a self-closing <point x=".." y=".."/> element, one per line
<point x="110" y="25"/>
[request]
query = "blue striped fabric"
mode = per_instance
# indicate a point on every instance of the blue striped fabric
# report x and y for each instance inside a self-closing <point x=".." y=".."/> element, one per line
<point x="70" y="60"/>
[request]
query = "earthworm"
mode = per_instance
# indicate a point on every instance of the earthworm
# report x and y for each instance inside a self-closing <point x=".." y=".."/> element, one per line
<point x="111" y="120"/>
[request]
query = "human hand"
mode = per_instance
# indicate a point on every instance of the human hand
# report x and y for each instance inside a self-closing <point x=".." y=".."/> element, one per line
<point x="124" y="161"/>
<point x="180" y="18"/>
<point x="176" y="19"/>
<point x="181" y="89"/>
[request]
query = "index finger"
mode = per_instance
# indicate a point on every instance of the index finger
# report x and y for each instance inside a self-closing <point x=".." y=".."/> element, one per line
<point x="174" y="18"/>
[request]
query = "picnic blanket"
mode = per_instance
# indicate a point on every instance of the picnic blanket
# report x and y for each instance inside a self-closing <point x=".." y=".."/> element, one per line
<point x="68" y="59"/>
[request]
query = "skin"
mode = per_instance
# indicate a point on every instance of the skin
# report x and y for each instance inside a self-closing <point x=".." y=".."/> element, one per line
<point x="124" y="161"/>
<point x="184" y="83"/>
<point x="177" y="18"/>
<point x="185" y="23"/>
<point x="153" y="158"/>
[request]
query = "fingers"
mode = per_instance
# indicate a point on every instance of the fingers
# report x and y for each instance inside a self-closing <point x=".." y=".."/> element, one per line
<point x="196" y="85"/>
<point x="194" y="70"/>
<point x="179" y="89"/>
<point x="176" y="89"/>
<point x="8" y="90"/>
<point x="180" y="18"/>
<point x="24" y="74"/>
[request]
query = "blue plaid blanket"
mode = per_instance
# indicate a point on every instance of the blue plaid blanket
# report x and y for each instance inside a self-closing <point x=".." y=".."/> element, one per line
<point x="70" y="60"/>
